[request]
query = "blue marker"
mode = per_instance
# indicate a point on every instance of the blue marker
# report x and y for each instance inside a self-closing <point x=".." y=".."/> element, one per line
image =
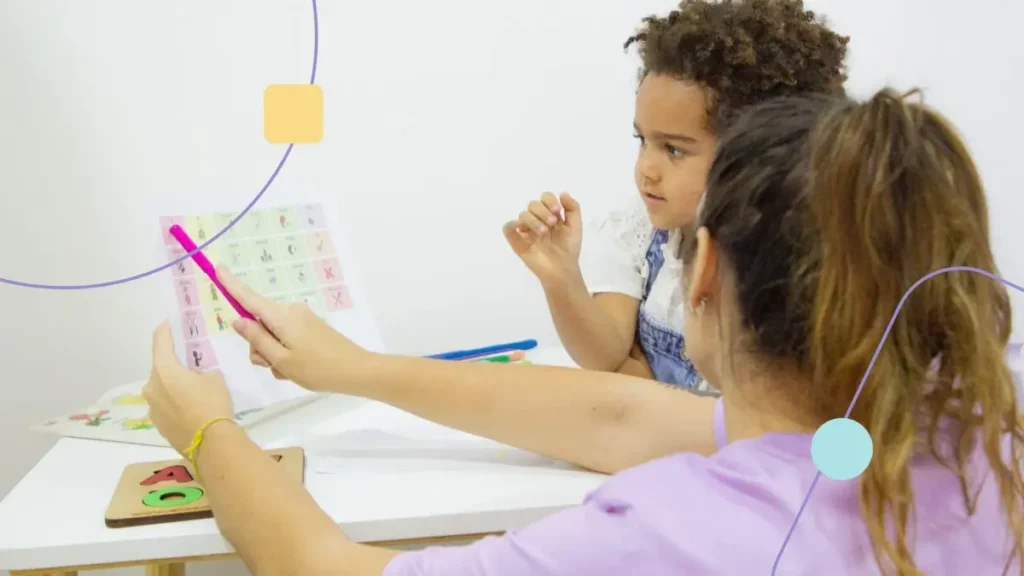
<point x="498" y="349"/>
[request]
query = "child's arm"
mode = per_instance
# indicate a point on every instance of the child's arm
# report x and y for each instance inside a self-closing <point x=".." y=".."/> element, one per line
<point x="597" y="331"/>
<point x="636" y="364"/>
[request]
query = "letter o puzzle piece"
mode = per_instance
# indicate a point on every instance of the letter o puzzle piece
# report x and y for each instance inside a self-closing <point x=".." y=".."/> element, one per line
<point x="172" y="497"/>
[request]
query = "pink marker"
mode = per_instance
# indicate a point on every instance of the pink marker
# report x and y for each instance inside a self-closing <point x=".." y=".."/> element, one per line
<point x="204" y="264"/>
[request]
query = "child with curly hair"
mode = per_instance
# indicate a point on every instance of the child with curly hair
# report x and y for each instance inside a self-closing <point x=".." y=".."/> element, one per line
<point x="621" y="308"/>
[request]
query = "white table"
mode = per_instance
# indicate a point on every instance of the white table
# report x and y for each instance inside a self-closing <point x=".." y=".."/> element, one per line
<point x="52" y="522"/>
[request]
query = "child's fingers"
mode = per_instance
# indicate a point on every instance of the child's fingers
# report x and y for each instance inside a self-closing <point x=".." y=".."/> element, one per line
<point x="538" y="209"/>
<point x="551" y="202"/>
<point x="572" y="210"/>
<point x="529" y="221"/>
<point x="519" y="240"/>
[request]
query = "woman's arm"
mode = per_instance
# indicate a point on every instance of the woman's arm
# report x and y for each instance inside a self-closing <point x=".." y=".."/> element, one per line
<point x="602" y="421"/>
<point x="269" y="518"/>
<point x="272" y="522"/>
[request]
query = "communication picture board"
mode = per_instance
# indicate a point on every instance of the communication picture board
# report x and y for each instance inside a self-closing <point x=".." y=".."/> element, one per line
<point x="291" y="253"/>
<point x="161" y="492"/>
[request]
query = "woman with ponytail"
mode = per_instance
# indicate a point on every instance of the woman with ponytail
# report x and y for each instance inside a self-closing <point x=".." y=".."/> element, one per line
<point x="819" y="215"/>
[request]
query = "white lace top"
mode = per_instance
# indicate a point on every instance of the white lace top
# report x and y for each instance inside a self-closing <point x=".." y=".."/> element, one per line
<point x="613" y="259"/>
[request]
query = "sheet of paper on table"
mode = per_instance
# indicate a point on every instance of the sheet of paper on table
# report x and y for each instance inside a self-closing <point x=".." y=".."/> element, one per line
<point x="392" y="438"/>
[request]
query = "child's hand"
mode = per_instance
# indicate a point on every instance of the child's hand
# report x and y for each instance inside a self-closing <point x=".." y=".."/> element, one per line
<point x="294" y="343"/>
<point x="548" y="236"/>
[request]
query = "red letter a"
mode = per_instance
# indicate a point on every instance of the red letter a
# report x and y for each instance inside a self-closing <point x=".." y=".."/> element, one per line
<point x="177" y="473"/>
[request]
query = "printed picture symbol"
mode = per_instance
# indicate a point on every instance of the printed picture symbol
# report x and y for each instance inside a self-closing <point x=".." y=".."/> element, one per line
<point x="309" y="219"/>
<point x="273" y="280"/>
<point x="339" y="299"/>
<point x="220" y="326"/>
<point x="94" y="419"/>
<point x="193" y="330"/>
<point x="329" y="272"/>
<point x="234" y="258"/>
<point x="302" y="276"/>
<point x="202" y="233"/>
<point x="137" y="424"/>
<point x="283" y="221"/>
<point x="130" y="400"/>
<point x="291" y="250"/>
<point x="320" y="246"/>
<point x="197" y="358"/>
<point x="266" y="257"/>
<point x="213" y="293"/>
<point x="188" y="298"/>
<point x="181" y="267"/>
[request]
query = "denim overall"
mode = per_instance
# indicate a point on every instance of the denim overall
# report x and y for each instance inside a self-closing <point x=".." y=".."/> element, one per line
<point x="663" y="346"/>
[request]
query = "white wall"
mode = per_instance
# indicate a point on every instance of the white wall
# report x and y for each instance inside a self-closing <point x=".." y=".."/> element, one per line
<point x="442" y="119"/>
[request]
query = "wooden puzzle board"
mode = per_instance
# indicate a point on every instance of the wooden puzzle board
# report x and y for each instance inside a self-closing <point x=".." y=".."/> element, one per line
<point x="291" y="254"/>
<point x="161" y="492"/>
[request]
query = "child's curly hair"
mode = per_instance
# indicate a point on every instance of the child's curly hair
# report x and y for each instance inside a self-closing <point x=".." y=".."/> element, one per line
<point x="743" y="52"/>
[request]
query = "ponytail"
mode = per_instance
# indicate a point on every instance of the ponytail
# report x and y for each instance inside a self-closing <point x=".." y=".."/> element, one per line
<point x="894" y="195"/>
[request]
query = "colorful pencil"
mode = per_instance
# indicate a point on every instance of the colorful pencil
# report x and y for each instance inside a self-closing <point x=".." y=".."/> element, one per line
<point x="486" y="351"/>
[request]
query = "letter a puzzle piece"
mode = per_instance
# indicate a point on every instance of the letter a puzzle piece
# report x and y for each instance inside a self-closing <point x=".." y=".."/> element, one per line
<point x="177" y="473"/>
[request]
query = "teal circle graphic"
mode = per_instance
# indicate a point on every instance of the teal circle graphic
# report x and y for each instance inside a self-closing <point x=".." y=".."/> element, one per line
<point x="841" y="449"/>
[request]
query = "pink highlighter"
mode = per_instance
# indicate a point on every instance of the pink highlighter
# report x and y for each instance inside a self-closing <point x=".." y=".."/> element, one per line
<point x="204" y="264"/>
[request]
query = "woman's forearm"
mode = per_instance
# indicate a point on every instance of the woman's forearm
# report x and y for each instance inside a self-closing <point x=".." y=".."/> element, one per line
<point x="602" y="421"/>
<point x="272" y="522"/>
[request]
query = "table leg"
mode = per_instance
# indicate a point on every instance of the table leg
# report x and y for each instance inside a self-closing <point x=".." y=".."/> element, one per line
<point x="173" y="569"/>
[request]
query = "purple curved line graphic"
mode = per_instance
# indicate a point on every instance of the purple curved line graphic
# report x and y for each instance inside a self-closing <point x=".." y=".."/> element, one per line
<point x="273" y="176"/>
<point x="867" y="372"/>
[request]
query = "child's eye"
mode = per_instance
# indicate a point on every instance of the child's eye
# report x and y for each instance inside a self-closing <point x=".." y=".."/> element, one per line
<point x="674" y="152"/>
<point x="640" y="138"/>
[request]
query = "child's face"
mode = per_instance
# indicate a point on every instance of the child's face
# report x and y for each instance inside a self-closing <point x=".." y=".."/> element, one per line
<point x="676" y="149"/>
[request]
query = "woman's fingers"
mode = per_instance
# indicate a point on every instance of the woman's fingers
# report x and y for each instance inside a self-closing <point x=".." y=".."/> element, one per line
<point x="261" y="341"/>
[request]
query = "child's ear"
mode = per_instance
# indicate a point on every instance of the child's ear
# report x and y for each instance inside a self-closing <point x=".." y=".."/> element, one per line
<point x="703" y="269"/>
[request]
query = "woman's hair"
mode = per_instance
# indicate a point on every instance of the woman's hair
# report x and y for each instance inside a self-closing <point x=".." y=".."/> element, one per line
<point x="743" y="52"/>
<point x="826" y="212"/>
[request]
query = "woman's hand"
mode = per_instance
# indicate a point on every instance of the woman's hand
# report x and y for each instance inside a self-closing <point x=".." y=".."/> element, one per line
<point x="180" y="401"/>
<point x="295" y="344"/>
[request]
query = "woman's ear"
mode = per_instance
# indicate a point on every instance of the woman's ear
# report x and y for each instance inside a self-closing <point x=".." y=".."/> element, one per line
<point x="703" y="270"/>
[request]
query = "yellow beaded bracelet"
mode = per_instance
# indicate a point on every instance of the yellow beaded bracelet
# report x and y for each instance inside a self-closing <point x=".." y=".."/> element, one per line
<point x="192" y="452"/>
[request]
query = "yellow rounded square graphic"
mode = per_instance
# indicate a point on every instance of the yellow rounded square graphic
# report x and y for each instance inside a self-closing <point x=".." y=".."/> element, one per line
<point x="293" y="113"/>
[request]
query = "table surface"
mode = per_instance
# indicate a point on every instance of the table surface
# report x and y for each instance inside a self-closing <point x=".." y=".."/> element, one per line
<point x="54" y="516"/>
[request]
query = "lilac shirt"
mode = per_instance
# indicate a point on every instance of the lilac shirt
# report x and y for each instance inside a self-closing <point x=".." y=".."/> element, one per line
<point x="728" y="514"/>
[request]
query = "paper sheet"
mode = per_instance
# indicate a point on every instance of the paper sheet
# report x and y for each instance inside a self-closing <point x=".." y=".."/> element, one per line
<point x="121" y="415"/>
<point x="290" y="253"/>
<point x="378" y="432"/>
